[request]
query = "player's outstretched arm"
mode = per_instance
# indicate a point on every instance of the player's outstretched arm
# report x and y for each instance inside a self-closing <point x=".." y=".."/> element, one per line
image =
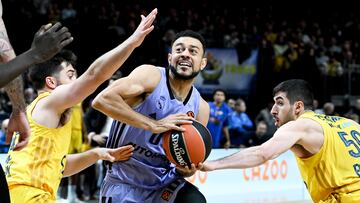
<point x="284" y="138"/>
<point x="17" y="121"/>
<point x="65" y="96"/>
<point x="78" y="162"/>
<point x="47" y="42"/>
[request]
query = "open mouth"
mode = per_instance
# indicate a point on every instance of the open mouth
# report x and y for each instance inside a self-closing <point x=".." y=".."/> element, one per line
<point x="184" y="64"/>
<point x="276" y="119"/>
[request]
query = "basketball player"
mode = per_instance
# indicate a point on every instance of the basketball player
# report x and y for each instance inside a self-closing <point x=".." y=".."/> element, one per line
<point x="46" y="43"/>
<point x="149" y="101"/>
<point x="327" y="148"/>
<point x="34" y="172"/>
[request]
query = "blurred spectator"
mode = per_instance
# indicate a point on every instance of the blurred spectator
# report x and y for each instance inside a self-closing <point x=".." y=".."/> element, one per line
<point x="354" y="112"/>
<point x="231" y="103"/>
<point x="261" y="134"/>
<point x="4" y="148"/>
<point x="29" y="95"/>
<point x="5" y="105"/>
<point x="354" y="117"/>
<point x="316" y="108"/>
<point x="239" y="125"/>
<point x="356" y="108"/>
<point x="329" y="109"/>
<point x="68" y="13"/>
<point x="168" y="38"/>
<point x="266" y="116"/>
<point x="280" y="48"/>
<point x="219" y="111"/>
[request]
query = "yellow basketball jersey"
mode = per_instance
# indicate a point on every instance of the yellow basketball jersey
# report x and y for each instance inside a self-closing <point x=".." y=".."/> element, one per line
<point x="76" y="130"/>
<point x="335" y="169"/>
<point x="41" y="163"/>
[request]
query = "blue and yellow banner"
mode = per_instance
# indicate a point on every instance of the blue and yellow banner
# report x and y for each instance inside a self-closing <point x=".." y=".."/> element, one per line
<point x="224" y="71"/>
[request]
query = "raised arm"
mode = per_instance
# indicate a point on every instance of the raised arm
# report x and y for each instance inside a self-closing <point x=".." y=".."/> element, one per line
<point x="17" y="121"/>
<point x="65" y="96"/>
<point x="117" y="100"/>
<point x="284" y="139"/>
<point x="47" y="42"/>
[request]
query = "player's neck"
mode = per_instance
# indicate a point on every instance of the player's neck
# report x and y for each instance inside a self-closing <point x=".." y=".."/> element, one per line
<point x="302" y="112"/>
<point x="44" y="90"/>
<point x="180" y="89"/>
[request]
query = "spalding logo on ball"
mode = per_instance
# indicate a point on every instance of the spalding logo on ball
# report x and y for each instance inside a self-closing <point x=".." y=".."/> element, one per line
<point x="191" y="146"/>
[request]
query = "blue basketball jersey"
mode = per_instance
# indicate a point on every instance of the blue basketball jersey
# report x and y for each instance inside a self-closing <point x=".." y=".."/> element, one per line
<point x="148" y="167"/>
<point x="216" y="129"/>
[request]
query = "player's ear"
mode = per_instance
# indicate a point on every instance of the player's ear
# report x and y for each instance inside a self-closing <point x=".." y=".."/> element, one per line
<point x="169" y="58"/>
<point x="203" y="63"/>
<point x="299" y="107"/>
<point x="50" y="82"/>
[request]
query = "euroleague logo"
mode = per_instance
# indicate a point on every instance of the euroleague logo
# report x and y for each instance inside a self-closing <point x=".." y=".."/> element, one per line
<point x="166" y="195"/>
<point x="191" y="114"/>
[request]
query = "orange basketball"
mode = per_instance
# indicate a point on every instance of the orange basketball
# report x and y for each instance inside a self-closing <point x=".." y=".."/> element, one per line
<point x="191" y="146"/>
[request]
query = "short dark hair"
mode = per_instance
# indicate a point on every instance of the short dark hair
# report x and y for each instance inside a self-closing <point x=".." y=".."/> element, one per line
<point x="190" y="33"/>
<point x="219" y="90"/>
<point x="296" y="90"/>
<point x="39" y="72"/>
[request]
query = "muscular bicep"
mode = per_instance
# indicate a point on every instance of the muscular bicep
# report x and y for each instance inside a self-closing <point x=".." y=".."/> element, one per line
<point x="129" y="90"/>
<point x="134" y="88"/>
<point x="284" y="139"/>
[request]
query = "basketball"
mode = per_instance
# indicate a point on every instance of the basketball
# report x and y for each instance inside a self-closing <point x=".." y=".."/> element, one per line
<point x="191" y="146"/>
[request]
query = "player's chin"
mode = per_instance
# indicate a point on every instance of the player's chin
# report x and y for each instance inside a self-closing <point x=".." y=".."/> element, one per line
<point x="184" y="73"/>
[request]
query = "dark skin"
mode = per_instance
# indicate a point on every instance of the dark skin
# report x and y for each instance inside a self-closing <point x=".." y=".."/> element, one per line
<point x="47" y="42"/>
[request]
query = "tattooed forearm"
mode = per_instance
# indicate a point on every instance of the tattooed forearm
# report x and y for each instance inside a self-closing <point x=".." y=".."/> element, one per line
<point x="15" y="91"/>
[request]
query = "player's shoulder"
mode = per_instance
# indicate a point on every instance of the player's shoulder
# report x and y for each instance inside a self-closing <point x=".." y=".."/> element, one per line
<point x="147" y="68"/>
<point x="204" y="104"/>
<point x="306" y="121"/>
<point x="307" y="125"/>
<point x="148" y="71"/>
<point x="146" y="75"/>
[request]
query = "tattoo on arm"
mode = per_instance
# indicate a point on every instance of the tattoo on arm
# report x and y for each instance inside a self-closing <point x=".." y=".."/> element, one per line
<point x="15" y="92"/>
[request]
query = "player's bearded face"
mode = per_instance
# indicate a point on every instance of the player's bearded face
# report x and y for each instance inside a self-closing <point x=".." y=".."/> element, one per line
<point x="66" y="75"/>
<point x="178" y="75"/>
<point x="282" y="110"/>
<point x="286" y="116"/>
<point x="186" y="58"/>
